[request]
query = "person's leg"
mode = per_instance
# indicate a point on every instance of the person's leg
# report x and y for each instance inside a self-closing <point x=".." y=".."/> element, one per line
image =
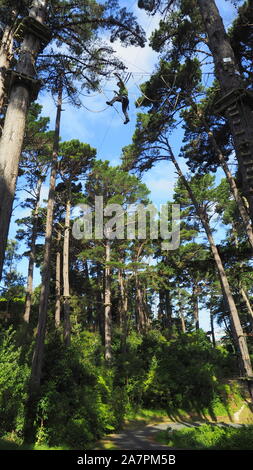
<point x="116" y="98"/>
<point x="125" y="103"/>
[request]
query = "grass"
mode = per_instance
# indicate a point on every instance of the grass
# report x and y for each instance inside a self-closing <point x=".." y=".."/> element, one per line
<point x="147" y="415"/>
<point x="209" y="436"/>
<point x="6" y="444"/>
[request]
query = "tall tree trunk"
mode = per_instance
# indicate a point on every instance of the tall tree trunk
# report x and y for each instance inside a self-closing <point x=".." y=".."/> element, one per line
<point x="231" y="181"/>
<point x="140" y="310"/>
<point x="195" y="299"/>
<point x="182" y="320"/>
<point x="57" y="315"/>
<point x="29" y="289"/>
<point x="168" y="311"/>
<point x="212" y="328"/>
<point x="120" y="317"/>
<point x="123" y="297"/>
<point x="248" y="305"/>
<point x="236" y="108"/>
<point x="5" y="59"/>
<point x="99" y="304"/>
<point x="235" y="320"/>
<point x="240" y="284"/>
<point x="90" y="300"/>
<point x="14" y="127"/>
<point x="124" y="309"/>
<point x="165" y="309"/>
<point x="66" y="293"/>
<point x="181" y="314"/>
<point x="45" y="284"/>
<point x="229" y="332"/>
<point x="107" y="303"/>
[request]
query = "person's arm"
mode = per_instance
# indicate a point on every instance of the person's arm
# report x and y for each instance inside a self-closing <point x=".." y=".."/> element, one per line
<point x="121" y="82"/>
<point x="120" y="79"/>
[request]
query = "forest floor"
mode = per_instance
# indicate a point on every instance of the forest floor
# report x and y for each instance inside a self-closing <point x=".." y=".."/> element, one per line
<point x="143" y="434"/>
<point x="144" y="430"/>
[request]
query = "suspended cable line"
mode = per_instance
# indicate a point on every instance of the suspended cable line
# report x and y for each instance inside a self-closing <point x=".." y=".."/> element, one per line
<point x="95" y="111"/>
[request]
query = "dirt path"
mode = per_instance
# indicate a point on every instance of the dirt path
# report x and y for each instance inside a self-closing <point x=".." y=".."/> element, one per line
<point x="142" y="436"/>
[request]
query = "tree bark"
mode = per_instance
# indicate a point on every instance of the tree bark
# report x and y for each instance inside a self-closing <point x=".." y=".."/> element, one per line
<point x="168" y="311"/>
<point x="239" y="112"/>
<point x="45" y="284"/>
<point x="66" y="293"/>
<point x="90" y="297"/>
<point x="240" y="285"/>
<point x="14" y="127"/>
<point x="58" y="280"/>
<point x="181" y="314"/>
<point x="29" y="290"/>
<point x="140" y="309"/>
<point x="247" y="302"/>
<point x="123" y="296"/>
<point x="231" y="181"/>
<point x="5" y="59"/>
<point x="107" y="303"/>
<point x="182" y="320"/>
<point x="195" y="299"/>
<point x="124" y="309"/>
<point x="235" y="320"/>
<point x="212" y="329"/>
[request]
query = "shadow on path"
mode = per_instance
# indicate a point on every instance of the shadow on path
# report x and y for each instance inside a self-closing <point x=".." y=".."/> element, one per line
<point x="142" y="436"/>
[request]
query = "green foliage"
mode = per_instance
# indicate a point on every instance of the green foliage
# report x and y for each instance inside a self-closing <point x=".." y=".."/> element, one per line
<point x="183" y="373"/>
<point x="78" y="403"/>
<point x="180" y="373"/>
<point x="13" y="384"/>
<point x="82" y="399"/>
<point x="210" y="437"/>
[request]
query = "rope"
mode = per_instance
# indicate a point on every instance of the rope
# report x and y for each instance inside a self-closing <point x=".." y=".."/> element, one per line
<point x="100" y="90"/>
<point x="178" y="94"/>
<point x="93" y="111"/>
<point x="153" y="101"/>
<point x="174" y="82"/>
<point x="104" y="137"/>
<point x="128" y="76"/>
<point x="107" y="99"/>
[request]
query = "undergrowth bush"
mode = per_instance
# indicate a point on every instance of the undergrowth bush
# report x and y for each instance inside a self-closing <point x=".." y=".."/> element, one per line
<point x="210" y="437"/>
<point x="82" y="398"/>
<point x="181" y="373"/>
<point x="78" y="402"/>
<point x="13" y="383"/>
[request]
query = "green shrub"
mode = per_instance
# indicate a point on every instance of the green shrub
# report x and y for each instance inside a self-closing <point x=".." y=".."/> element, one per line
<point x="79" y="402"/>
<point x="13" y="384"/>
<point x="210" y="437"/>
<point x="183" y="374"/>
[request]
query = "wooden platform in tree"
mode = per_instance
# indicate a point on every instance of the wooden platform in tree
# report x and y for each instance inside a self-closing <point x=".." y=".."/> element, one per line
<point x="30" y="25"/>
<point x="231" y="98"/>
<point x="33" y="85"/>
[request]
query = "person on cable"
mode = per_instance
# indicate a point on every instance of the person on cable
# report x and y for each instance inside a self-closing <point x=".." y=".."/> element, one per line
<point x="122" y="97"/>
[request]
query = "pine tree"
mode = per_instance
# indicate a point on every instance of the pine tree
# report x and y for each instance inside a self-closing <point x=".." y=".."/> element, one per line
<point x="75" y="161"/>
<point x="196" y="22"/>
<point x="14" y="124"/>
<point x="37" y="359"/>
<point x="35" y="160"/>
<point x="116" y="187"/>
<point x="77" y="32"/>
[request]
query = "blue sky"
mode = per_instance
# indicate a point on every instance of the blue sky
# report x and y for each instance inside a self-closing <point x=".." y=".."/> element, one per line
<point x="105" y="130"/>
